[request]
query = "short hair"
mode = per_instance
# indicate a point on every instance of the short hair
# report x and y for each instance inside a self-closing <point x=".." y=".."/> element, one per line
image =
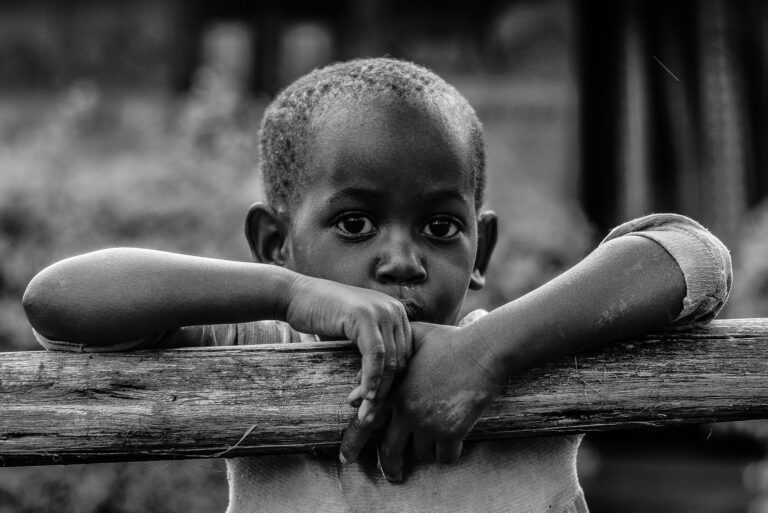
<point x="285" y="127"/>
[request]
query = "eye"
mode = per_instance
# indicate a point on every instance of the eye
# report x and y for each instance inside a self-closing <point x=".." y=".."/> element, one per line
<point x="355" y="225"/>
<point x="441" y="228"/>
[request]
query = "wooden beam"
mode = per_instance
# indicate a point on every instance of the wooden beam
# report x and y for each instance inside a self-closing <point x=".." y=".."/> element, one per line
<point x="60" y="408"/>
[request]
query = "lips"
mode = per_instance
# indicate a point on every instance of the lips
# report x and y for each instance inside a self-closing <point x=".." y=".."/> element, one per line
<point x="414" y="310"/>
<point x="409" y="296"/>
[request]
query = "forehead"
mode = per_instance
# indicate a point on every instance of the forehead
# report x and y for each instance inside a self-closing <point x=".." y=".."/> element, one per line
<point x="409" y="141"/>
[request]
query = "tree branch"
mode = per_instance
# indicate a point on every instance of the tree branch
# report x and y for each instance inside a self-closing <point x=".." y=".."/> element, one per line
<point x="233" y="401"/>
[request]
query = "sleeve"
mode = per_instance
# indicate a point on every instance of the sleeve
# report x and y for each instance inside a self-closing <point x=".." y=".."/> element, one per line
<point x="260" y="332"/>
<point x="702" y="257"/>
<point x="189" y="336"/>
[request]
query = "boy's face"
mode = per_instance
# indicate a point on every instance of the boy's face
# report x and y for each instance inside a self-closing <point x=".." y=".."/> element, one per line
<point x="389" y="206"/>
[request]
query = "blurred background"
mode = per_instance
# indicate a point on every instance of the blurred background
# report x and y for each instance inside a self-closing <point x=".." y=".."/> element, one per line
<point x="134" y="123"/>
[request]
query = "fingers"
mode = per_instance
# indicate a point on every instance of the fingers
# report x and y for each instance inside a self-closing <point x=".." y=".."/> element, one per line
<point x="358" y="433"/>
<point x="403" y="342"/>
<point x="448" y="451"/>
<point x="392" y="449"/>
<point x="372" y="348"/>
<point x="390" y="365"/>
<point x="354" y="439"/>
<point x="355" y="397"/>
<point x="380" y="360"/>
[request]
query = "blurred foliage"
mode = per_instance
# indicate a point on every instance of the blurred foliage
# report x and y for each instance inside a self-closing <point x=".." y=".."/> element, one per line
<point x="91" y="171"/>
<point x="85" y="170"/>
<point x="44" y="45"/>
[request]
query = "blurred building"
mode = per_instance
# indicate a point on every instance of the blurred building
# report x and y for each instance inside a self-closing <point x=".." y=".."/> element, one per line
<point x="671" y="95"/>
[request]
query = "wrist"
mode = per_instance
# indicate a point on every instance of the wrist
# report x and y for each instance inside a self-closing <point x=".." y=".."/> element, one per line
<point x="487" y="356"/>
<point x="290" y="284"/>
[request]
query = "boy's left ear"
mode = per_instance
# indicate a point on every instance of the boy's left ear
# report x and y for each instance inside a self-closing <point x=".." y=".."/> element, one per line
<point x="266" y="230"/>
<point x="486" y="240"/>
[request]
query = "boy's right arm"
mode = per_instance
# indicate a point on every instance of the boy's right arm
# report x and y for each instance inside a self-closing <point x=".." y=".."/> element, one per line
<point x="115" y="295"/>
<point x="121" y="294"/>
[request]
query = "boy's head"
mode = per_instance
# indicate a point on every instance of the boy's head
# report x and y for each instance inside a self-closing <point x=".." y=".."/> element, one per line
<point x="374" y="171"/>
<point x="294" y="117"/>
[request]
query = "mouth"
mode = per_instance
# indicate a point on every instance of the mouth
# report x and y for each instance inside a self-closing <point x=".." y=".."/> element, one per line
<point x="414" y="310"/>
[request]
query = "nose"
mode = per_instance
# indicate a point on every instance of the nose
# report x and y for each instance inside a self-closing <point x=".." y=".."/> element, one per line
<point x="399" y="261"/>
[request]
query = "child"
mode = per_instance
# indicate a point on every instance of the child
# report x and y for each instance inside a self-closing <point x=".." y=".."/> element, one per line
<point x="373" y="231"/>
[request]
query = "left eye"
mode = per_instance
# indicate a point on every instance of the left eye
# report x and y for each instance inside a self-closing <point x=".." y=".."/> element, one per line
<point x="441" y="228"/>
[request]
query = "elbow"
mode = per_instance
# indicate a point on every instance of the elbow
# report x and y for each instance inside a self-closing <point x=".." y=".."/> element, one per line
<point x="58" y="294"/>
<point x="42" y="303"/>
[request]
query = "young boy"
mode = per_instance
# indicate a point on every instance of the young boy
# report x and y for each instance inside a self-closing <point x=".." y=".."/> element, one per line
<point x="373" y="231"/>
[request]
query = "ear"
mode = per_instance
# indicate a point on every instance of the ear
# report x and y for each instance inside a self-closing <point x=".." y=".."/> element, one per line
<point x="266" y="230"/>
<point x="486" y="241"/>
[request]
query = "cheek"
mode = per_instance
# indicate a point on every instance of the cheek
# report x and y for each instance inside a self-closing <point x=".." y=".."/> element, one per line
<point x="327" y="259"/>
<point x="452" y="275"/>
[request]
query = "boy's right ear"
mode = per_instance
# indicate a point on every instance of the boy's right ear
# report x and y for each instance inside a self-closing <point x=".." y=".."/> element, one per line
<point x="266" y="230"/>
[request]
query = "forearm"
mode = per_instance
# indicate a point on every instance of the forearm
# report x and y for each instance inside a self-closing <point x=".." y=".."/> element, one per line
<point x="124" y="293"/>
<point x="625" y="287"/>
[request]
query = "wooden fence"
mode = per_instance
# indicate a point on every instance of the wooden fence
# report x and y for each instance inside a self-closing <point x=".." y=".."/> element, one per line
<point x="58" y="408"/>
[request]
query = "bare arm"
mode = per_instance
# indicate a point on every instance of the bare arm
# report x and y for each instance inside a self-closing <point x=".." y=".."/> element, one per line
<point x="125" y="293"/>
<point x="625" y="287"/>
<point x="122" y="294"/>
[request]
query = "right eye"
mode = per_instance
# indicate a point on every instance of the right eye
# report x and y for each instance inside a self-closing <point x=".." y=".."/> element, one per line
<point x="355" y="225"/>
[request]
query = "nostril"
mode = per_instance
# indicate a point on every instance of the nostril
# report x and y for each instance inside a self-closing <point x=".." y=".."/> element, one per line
<point x="401" y="273"/>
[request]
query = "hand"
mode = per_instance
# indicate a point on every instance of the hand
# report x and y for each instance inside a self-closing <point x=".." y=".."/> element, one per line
<point x="375" y="322"/>
<point x="440" y="398"/>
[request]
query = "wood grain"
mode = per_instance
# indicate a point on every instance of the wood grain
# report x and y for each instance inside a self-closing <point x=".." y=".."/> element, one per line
<point x="58" y="408"/>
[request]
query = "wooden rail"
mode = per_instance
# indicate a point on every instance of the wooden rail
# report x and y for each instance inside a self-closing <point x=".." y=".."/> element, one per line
<point x="232" y="401"/>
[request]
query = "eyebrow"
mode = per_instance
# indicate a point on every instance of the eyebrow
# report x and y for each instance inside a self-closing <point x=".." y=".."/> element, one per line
<point x="371" y="195"/>
<point x="353" y="193"/>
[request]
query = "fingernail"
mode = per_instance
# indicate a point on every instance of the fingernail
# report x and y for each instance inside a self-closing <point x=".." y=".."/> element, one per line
<point x="343" y="459"/>
<point x="365" y="418"/>
<point x="365" y="411"/>
<point x="354" y="397"/>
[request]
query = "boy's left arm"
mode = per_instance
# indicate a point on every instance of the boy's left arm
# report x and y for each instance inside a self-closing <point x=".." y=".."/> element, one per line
<point x="648" y="273"/>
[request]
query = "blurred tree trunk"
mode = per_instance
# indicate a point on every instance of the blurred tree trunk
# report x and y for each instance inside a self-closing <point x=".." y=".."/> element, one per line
<point x="723" y="124"/>
<point x="666" y="119"/>
<point x="266" y="22"/>
<point x="365" y="28"/>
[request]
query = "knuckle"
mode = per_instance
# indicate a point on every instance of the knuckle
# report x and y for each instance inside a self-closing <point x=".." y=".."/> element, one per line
<point x="377" y="352"/>
<point x="353" y="427"/>
<point x="365" y="425"/>
<point x="397" y="310"/>
<point x="391" y="363"/>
